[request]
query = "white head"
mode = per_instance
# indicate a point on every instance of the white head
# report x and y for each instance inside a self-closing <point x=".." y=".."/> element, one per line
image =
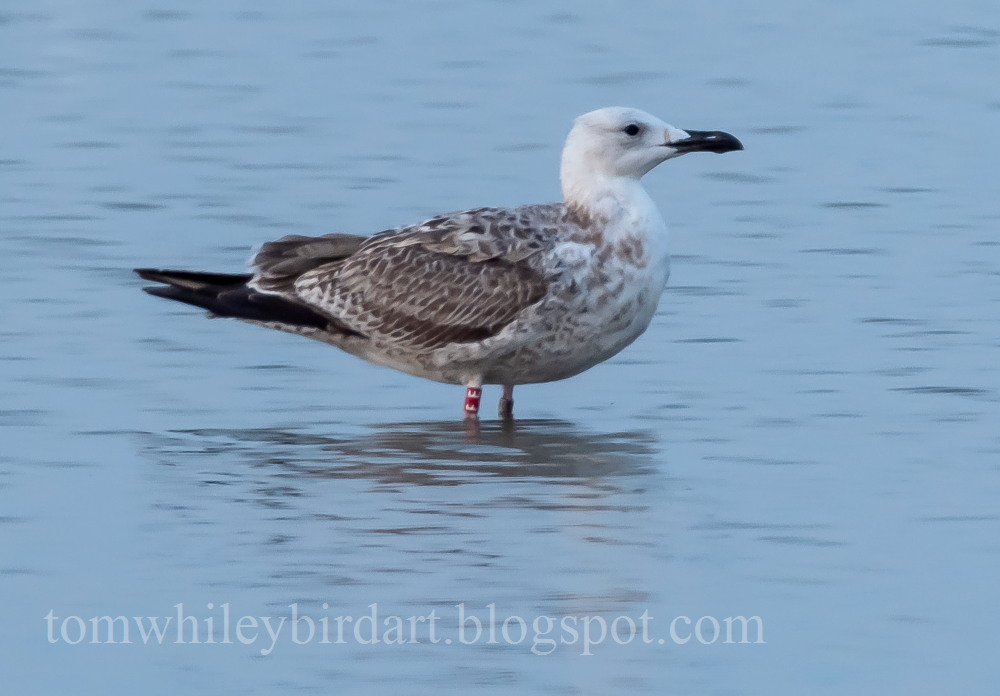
<point x="619" y="142"/>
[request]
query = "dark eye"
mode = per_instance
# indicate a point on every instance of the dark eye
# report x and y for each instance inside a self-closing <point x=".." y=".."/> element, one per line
<point x="631" y="129"/>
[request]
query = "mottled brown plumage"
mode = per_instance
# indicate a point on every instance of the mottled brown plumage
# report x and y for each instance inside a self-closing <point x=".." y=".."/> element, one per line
<point x="484" y="296"/>
<point x="455" y="278"/>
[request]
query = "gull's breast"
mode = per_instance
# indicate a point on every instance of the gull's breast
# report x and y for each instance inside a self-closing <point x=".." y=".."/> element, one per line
<point x="602" y="300"/>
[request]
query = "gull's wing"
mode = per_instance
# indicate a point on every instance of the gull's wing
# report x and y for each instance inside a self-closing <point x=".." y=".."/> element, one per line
<point x="456" y="278"/>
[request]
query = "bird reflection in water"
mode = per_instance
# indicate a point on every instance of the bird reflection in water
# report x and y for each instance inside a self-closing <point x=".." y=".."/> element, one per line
<point x="430" y="453"/>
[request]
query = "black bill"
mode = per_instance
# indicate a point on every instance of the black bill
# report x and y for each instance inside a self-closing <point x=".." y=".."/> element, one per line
<point x="707" y="141"/>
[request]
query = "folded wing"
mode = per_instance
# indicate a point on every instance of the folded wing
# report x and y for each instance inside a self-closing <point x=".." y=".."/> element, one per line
<point x="457" y="278"/>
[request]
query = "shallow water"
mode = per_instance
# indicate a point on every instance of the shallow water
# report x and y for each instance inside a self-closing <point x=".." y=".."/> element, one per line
<point x="807" y="433"/>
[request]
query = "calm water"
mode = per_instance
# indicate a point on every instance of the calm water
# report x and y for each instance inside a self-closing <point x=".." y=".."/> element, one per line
<point x="807" y="433"/>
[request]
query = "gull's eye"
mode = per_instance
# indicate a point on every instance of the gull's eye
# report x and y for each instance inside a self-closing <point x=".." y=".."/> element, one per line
<point x="631" y="129"/>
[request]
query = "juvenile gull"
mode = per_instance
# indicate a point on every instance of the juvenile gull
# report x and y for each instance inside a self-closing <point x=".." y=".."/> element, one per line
<point x="484" y="296"/>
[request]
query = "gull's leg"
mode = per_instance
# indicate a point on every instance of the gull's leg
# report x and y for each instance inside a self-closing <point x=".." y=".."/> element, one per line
<point x="473" y="392"/>
<point x="506" y="409"/>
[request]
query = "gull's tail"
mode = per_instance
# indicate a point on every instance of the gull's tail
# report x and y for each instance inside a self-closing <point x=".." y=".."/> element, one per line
<point x="228" y="295"/>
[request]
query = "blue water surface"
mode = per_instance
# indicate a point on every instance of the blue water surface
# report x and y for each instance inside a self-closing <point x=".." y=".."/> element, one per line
<point x="806" y="434"/>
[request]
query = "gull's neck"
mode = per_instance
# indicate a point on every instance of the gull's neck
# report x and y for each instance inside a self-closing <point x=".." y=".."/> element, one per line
<point x="606" y="203"/>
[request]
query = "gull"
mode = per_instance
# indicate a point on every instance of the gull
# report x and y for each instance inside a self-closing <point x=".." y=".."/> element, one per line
<point x="503" y="296"/>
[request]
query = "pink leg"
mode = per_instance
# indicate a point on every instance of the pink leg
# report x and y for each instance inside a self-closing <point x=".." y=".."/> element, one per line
<point x="472" y="396"/>
<point x="506" y="408"/>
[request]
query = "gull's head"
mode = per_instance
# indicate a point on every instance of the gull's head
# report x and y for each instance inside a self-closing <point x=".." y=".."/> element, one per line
<point x="623" y="142"/>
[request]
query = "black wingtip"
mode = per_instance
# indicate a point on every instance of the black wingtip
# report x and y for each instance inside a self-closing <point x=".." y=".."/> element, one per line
<point x="166" y="291"/>
<point x="227" y="295"/>
<point x="187" y="296"/>
<point x="147" y="273"/>
<point x="193" y="280"/>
